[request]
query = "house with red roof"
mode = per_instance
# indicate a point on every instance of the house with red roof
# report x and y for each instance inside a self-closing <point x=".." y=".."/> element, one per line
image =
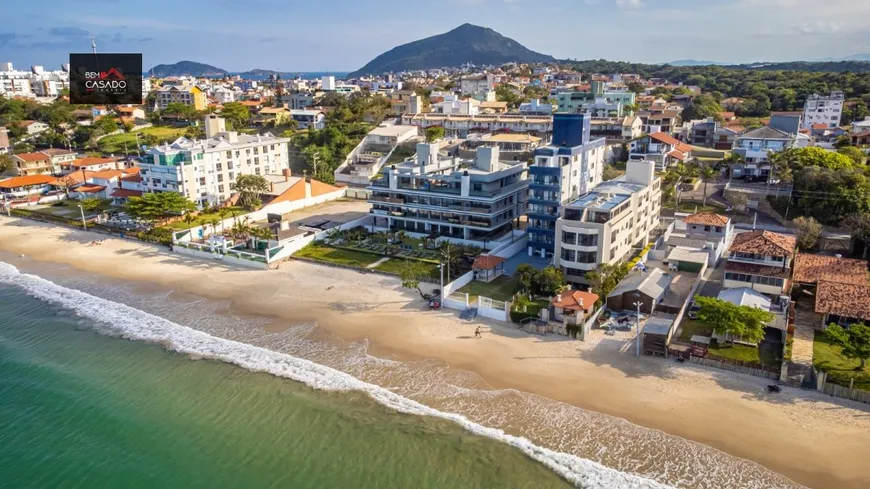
<point x="661" y="148"/>
<point x="24" y="186"/>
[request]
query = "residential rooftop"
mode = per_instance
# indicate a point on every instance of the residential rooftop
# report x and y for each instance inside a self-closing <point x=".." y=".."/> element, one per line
<point x="764" y="243"/>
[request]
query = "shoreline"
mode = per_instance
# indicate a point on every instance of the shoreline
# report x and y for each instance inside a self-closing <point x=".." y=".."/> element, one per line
<point x="808" y="437"/>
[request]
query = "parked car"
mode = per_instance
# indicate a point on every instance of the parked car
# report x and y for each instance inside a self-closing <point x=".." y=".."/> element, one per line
<point x="693" y="311"/>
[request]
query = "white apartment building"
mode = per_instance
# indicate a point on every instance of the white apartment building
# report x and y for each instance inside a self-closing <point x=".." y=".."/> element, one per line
<point x="603" y="225"/>
<point x="823" y="109"/>
<point x="535" y="106"/>
<point x="476" y="83"/>
<point x="467" y="106"/>
<point x="205" y="170"/>
<point x="224" y="95"/>
<point x="34" y="83"/>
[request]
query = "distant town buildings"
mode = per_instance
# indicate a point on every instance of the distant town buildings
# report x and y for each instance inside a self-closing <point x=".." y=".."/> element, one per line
<point x="190" y="95"/>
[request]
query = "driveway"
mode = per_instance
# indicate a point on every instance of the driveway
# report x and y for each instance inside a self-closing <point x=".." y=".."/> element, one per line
<point x="510" y="266"/>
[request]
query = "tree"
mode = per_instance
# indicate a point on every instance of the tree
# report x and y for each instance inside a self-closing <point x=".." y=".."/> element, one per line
<point x="859" y="224"/>
<point x="434" y="133"/>
<point x="730" y="319"/>
<point x="222" y="214"/>
<point x="250" y="189"/>
<point x="189" y="220"/>
<point x="22" y="147"/>
<point x="855" y="341"/>
<point x="606" y="277"/>
<point x="636" y="87"/>
<point x="526" y="275"/>
<point x="610" y="173"/>
<point x="237" y="113"/>
<point x="853" y="153"/>
<point x="65" y="183"/>
<point x="213" y="222"/>
<point x="800" y="158"/>
<point x="91" y="204"/>
<point x="411" y="273"/>
<point x="549" y="281"/>
<point x="451" y="254"/>
<point x="737" y="200"/>
<point x="808" y="232"/>
<point x="6" y="163"/>
<point x="154" y="206"/>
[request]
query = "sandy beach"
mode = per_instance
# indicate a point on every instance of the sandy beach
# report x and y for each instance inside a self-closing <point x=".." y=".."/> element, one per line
<point x="813" y="439"/>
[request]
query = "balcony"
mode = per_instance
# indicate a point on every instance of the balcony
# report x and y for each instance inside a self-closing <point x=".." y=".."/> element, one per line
<point x="388" y="200"/>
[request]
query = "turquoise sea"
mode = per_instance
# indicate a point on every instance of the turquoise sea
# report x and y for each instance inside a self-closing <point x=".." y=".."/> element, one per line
<point x="82" y="409"/>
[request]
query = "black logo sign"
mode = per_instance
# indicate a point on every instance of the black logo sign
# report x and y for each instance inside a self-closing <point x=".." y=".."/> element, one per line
<point x="105" y="79"/>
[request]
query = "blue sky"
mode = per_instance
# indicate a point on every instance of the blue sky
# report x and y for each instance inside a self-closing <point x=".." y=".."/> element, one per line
<point x="342" y="35"/>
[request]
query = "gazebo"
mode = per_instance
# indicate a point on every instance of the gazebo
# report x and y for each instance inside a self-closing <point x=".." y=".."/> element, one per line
<point x="488" y="267"/>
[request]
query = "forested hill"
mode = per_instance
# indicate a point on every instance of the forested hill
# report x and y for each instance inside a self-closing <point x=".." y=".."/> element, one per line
<point x="605" y="66"/>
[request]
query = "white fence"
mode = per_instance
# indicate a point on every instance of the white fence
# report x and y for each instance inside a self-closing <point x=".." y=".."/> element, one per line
<point x="456" y="300"/>
<point x="235" y="257"/>
<point x="757" y="372"/>
<point x="841" y="391"/>
<point x="457" y="284"/>
<point x="493" y="309"/>
<point x="511" y="248"/>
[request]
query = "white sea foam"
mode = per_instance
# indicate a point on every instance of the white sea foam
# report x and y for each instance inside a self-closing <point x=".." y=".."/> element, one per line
<point x="134" y="324"/>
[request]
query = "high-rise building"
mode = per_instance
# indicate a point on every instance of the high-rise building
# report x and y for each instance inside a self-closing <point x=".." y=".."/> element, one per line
<point x="823" y="109"/>
<point x="566" y="169"/>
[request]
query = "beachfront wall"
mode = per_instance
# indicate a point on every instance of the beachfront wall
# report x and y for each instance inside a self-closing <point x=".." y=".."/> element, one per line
<point x="228" y="258"/>
<point x="457" y="284"/>
<point x="260" y="215"/>
<point x="285" y="250"/>
<point x="492" y="309"/>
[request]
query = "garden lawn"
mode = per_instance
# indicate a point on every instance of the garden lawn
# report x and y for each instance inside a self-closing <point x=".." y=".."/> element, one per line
<point x="828" y="356"/>
<point x="115" y="142"/>
<point x="396" y="265"/>
<point x="501" y="289"/>
<point x="737" y="352"/>
<point x="318" y="251"/>
<point x="691" y="327"/>
<point x="204" y="217"/>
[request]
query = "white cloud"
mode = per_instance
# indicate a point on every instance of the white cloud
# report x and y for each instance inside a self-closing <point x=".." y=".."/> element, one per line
<point x="629" y="4"/>
<point x="819" y="27"/>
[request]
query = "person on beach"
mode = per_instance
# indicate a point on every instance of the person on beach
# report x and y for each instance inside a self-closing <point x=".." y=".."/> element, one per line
<point x="477" y="334"/>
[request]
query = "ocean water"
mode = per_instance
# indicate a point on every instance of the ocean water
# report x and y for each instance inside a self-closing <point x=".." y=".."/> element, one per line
<point x="503" y="438"/>
<point x="84" y="409"/>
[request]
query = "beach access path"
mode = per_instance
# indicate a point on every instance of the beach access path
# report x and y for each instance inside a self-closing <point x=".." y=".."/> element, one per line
<point x="813" y="439"/>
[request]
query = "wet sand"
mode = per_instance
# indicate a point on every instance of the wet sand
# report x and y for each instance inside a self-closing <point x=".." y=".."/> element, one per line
<point x="811" y="438"/>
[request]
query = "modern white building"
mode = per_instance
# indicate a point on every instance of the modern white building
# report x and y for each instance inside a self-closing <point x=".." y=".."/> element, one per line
<point x="308" y="118"/>
<point x="468" y="106"/>
<point x="456" y="125"/>
<point x="603" y="225"/>
<point x="823" y="109"/>
<point x="205" y="170"/>
<point x="224" y="95"/>
<point x="434" y="194"/>
<point x="327" y="83"/>
<point x="476" y="83"/>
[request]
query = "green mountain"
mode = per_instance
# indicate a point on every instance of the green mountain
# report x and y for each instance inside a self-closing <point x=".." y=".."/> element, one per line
<point x="465" y="44"/>
<point x="187" y="68"/>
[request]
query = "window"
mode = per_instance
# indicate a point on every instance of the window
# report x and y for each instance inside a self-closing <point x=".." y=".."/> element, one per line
<point x="202" y="180"/>
<point x="221" y="188"/>
<point x="229" y="165"/>
<point x="718" y="229"/>
<point x="568" y="255"/>
<point x="776" y="282"/>
<point x="219" y="167"/>
<point x="220" y="177"/>
<point x="587" y="239"/>
<point x="569" y="238"/>
<point x="257" y="171"/>
<point x="707" y="228"/>
<point x="739" y="277"/>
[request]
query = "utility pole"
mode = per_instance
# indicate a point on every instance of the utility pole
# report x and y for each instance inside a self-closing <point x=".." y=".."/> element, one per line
<point x="637" y="327"/>
<point x="84" y="222"/>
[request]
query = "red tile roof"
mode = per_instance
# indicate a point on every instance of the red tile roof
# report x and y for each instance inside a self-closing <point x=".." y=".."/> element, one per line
<point x="487" y="262"/>
<point x="706" y="219"/>
<point x="819" y="126"/>
<point x="91" y="161"/>
<point x="848" y="300"/>
<point x="575" y="300"/>
<point x="32" y="156"/>
<point x="678" y="155"/>
<point x="668" y="139"/>
<point x="90" y="189"/>
<point x="26" y="181"/>
<point x="810" y="269"/>
<point x="764" y="243"/>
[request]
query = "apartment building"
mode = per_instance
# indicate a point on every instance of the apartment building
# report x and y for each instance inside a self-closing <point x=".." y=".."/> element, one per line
<point x="603" y="225"/>
<point x="181" y="94"/>
<point x="26" y="164"/>
<point x="823" y="109"/>
<point x="59" y="158"/>
<point x="205" y="170"/>
<point x="567" y="168"/>
<point x="597" y="102"/>
<point x="308" y="118"/>
<point x="474" y="200"/>
<point x="476" y="83"/>
<point x="760" y="260"/>
<point x="756" y="146"/>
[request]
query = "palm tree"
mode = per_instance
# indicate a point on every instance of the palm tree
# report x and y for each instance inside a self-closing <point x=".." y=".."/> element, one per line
<point x="222" y="213"/>
<point x="707" y="174"/>
<point x="188" y="219"/>
<point x="213" y="222"/>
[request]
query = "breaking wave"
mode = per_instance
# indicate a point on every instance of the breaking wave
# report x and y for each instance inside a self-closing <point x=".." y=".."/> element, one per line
<point x="134" y="324"/>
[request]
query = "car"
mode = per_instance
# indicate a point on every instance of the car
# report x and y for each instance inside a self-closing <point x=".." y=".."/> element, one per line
<point x="773" y="181"/>
<point x="693" y="311"/>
